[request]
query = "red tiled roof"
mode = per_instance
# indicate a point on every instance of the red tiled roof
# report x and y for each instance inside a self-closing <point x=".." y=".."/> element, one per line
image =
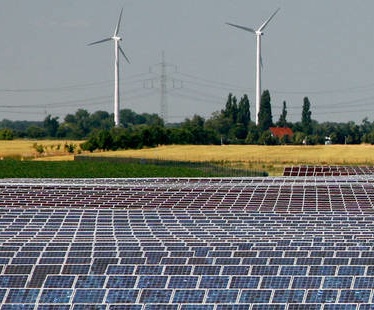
<point x="280" y="132"/>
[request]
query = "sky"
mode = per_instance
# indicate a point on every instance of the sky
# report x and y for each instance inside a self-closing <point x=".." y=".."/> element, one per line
<point x="318" y="49"/>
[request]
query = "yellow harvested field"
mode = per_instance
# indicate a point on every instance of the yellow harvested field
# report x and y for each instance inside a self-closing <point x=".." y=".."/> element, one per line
<point x="326" y="154"/>
<point x="25" y="148"/>
<point x="268" y="158"/>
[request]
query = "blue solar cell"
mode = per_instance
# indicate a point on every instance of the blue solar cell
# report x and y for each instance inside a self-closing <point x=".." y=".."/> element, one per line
<point x="177" y="270"/>
<point x="362" y="261"/>
<point x="76" y="269"/>
<point x="57" y="281"/>
<point x="351" y="271"/>
<point x="173" y="260"/>
<point x="122" y="296"/>
<point x="200" y="260"/>
<point x="133" y="260"/>
<point x="17" y="307"/>
<point x="288" y="296"/>
<point x="120" y="269"/>
<point x="161" y="306"/>
<point x="214" y="282"/>
<point x="354" y="296"/>
<point x="255" y="296"/>
<point x="304" y="307"/>
<point x="275" y="282"/>
<point x="22" y="296"/>
<point x="90" y="282"/>
<point x="2" y="294"/>
<point x="207" y="270"/>
<point x="264" y="270"/>
<point x="197" y="307"/>
<point x="222" y="296"/>
<point x="155" y="296"/>
<point x="364" y="282"/>
<point x="125" y="307"/>
<point x="244" y="282"/>
<point x="233" y="307"/>
<point x="340" y="307"/>
<point x="152" y="281"/>
<point x="268" y="307"/>
<point x="13" y="281"/>
<point x="306" y="282"/>
<point x="294" y="270"/>
<point x="55" y="296"/>
<point x="149" y="270"/>
<point x="322" y="296"/>
<point x="235" y="270"/>
<point x="337" y="282"/>
<point x="22" y="261"/>
<point x="55" y="307"/>
<point x="183" y="282"/>
<point x="188" y="296"/>
<point x="95" y="296"/>
<point x="228" y="261"/>
<point x="121" y="281"/>
<point x="322" y="270"/>
<point x="89" y="307"/>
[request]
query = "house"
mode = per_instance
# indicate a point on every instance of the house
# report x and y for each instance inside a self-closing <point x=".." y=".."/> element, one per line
<point x="281" y="132"/>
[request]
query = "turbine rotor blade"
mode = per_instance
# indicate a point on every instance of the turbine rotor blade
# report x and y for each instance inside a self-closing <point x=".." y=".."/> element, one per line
<point x="101" y="41"/>
<point x="267" y="21"/>
<point x="241" y="27"/>
<point x="123" y="53"/>
<point x="118" y="24"/>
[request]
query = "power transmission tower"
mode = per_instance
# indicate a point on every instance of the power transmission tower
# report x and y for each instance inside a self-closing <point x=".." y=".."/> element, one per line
<point x="164" y="105"/>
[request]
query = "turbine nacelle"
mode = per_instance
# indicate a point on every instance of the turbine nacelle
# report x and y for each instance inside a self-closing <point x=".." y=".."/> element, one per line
<point x="116" y="38"/>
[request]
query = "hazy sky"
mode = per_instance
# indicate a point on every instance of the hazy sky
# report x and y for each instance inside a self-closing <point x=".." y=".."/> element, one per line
<point x="322" y="49"/>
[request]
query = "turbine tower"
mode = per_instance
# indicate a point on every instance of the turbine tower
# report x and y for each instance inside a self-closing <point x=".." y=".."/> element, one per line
<point x="258" y="33"/>
<point x="117" y="48"/>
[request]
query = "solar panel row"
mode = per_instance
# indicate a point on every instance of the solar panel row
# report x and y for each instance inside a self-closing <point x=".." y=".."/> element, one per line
<point x="307" y="196"/>
<point x="327" y="170"/>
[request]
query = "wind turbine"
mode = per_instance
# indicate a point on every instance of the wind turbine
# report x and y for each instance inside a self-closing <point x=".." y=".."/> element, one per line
<point x="258" y="33"/>
<point x="116" y="38"/>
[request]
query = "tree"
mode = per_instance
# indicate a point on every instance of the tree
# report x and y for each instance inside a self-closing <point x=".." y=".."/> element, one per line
<point x="35" y="132"/>
<point x="231" y="109"/>
<point x="306" y="117"/>
<point x="265" y="118"/>
<point x="50" y="126"/>
<point x="244" y="114"/>
<point x="282" y="119"/>
<point x="6" y="134"/>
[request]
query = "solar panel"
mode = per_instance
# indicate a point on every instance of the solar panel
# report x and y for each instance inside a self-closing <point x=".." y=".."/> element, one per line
<point x="252" y="243"/>
<point x="188" y="296"/>
<point x="122" y="296"/>
<point x="56" y="296"/>
<point x="22" y="296"/>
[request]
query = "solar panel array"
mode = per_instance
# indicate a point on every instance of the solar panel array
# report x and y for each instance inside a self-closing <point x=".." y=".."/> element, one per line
<point x="242" y="243"/>
<point x="327" y="170"/>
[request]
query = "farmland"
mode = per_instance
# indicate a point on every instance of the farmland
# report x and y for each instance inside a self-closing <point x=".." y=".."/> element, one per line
<point x="268" y="158"/>
<point x="260" y="158"/>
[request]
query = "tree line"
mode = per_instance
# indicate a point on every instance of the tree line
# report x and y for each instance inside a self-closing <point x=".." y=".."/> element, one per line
<point x="231" y="125"/>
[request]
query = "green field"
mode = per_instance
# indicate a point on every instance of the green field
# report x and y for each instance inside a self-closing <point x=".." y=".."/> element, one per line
<point x="104" y="169"/>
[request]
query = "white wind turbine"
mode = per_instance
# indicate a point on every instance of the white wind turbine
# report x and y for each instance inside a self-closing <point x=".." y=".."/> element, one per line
<point x="117" y="48"/>
<point x="258" y="33"/>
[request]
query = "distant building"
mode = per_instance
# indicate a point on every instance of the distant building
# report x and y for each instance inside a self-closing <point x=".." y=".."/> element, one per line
<point x="281" y="132"/>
